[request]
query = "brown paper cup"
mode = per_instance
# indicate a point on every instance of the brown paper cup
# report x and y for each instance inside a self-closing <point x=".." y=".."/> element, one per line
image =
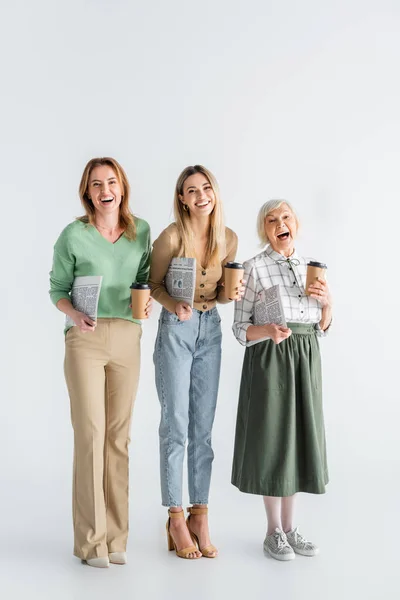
<point x="314" y="270"/>
<point x="140" y="294"/>
<point x="233" y="275"/>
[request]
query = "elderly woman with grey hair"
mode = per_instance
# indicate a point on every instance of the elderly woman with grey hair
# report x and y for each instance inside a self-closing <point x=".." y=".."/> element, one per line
<point x="280" y="437"/>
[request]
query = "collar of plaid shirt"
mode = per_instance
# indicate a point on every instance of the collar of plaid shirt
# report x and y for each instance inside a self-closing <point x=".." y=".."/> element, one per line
<point x="279" y="258"/>
<point x="291" y="261"/>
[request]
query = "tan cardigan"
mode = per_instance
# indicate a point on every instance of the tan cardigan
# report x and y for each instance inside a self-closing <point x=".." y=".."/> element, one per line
<point x="208" y="281"/>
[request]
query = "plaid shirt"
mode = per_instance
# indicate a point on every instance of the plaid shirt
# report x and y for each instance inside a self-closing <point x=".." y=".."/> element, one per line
<point x="262" y="272"/>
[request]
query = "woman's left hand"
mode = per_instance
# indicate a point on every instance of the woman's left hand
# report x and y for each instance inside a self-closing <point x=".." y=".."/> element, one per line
<point x="240" y="290"/>
<point x="320" y="291"/>
<point x="149" y="307"/>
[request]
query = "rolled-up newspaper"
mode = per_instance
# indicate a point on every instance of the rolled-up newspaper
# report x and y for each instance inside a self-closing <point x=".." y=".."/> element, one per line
<point x="85" y="294"/>
<point x="180" y="279"/>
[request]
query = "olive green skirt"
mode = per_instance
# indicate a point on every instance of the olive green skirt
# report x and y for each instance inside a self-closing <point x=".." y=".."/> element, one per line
<point x="280" y="437"/>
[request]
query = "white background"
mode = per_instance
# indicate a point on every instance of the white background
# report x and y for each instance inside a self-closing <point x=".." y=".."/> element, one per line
<point x="293" y="99"/>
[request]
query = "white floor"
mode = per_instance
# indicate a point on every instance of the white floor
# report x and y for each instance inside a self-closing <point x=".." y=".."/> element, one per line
<point x="355" y="528"/>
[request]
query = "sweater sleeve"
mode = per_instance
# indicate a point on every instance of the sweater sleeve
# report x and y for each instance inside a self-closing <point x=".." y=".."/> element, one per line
<point x="231" y="255"/>
<point x="144" y="265"/>
<point x="62" y="273"/>
<point x="160" y="261"/>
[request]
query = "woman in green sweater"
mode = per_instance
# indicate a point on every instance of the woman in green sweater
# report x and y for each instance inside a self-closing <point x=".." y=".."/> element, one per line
<point x="102" y="358"/>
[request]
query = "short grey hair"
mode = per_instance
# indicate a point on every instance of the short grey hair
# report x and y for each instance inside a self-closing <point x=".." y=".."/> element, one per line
<point x="262" y="215"/>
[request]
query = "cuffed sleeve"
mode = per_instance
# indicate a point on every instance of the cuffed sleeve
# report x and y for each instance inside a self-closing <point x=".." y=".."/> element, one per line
<point x="321" y="332"/>
<point x="243" y="316"/>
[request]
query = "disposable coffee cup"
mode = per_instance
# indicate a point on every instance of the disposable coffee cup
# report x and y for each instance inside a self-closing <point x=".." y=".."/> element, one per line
<point x="314" y="270"/>
<point x="140" y="294"/>
<point x="234" y="272"/>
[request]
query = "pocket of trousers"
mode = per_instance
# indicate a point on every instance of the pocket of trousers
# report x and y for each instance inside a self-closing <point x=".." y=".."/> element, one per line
<point x="168" y="318"/>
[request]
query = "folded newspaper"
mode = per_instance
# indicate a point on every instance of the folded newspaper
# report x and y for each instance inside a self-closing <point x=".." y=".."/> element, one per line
<point x="85" y="294"/>
<point x="268" y="307"/>
<point x="180" y="279"/>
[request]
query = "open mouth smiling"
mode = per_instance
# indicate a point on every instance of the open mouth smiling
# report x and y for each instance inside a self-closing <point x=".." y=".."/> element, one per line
<point x="107" y="200"/>
<point x="283" y="236"/>
<point x="203" y="204"/>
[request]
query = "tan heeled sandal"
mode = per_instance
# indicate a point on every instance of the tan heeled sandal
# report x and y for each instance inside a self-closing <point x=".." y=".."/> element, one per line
<point x="209" y="551"/>
<point x="184" y="553"/>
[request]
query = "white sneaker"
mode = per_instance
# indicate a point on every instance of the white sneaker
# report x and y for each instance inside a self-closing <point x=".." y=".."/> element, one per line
<point x="277" y="546"/>
<point x="300" y="545"/>
<point x="118" y="558"/>
<point x="101" y="562"/>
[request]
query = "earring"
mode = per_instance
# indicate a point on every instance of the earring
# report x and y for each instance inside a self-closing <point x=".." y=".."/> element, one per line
<point x="186" y="208"/>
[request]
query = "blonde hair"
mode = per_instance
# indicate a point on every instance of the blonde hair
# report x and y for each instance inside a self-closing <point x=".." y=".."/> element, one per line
<point x="264" y="211"/>
<point x="126" y="219"/>
<point x="216" y="242"/>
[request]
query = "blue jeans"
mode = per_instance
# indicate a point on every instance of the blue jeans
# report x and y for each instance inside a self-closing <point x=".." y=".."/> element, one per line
<point x="187" y="359"/>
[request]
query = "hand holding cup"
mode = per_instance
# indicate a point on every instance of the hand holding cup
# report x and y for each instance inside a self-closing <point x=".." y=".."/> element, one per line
<point x="234" y="282"/>
<point x="141" y="302"/>
<point x="320" y="291"/>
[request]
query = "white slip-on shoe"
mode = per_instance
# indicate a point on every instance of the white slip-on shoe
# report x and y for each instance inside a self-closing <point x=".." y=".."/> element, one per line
<point x="118" y="558"/>
<point x="300" y="545"/>
<point x="277" y="546"/>
<point x="101" y="562"/>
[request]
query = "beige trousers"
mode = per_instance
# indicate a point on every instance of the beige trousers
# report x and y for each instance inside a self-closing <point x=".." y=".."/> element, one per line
<point x="102" y="372"/>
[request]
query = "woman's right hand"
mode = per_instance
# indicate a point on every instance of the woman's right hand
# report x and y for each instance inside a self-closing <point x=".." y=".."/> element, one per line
<point x="277" y="333"/>
<point x="82" y="321"/>
<point x="183" y="311"/>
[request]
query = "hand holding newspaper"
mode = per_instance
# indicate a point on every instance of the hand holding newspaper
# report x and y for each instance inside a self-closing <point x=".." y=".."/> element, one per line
<point x="85" y="294"/>
<point x="180" y="279"/>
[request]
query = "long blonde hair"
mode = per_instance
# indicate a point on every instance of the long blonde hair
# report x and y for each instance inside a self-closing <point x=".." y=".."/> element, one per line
<point x="216" y="242"/>
<point x="126" y="219"/>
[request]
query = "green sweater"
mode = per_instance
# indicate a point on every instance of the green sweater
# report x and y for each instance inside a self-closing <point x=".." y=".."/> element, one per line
<point x="82" y="250"/>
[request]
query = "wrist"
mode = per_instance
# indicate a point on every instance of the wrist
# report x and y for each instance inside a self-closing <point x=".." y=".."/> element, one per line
<point x="73" y="313"/>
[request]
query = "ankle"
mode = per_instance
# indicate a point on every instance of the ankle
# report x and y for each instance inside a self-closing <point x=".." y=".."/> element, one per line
<point x="272" y="528"/>
<point x="198" y="510"/>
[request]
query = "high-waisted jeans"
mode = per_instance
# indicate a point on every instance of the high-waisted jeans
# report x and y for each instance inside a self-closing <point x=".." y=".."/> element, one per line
<point x="187" y="360"/>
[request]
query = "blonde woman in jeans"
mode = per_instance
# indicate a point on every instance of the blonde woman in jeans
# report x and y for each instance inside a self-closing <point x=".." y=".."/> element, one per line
<point x="187" y="355"/>
<point x="102" y="358"/>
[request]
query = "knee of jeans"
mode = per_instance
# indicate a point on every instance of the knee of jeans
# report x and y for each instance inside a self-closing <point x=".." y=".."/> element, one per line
<point x="200" y="437"/>
<point x="177" y="438"/>
<point x="175" y="432"/>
